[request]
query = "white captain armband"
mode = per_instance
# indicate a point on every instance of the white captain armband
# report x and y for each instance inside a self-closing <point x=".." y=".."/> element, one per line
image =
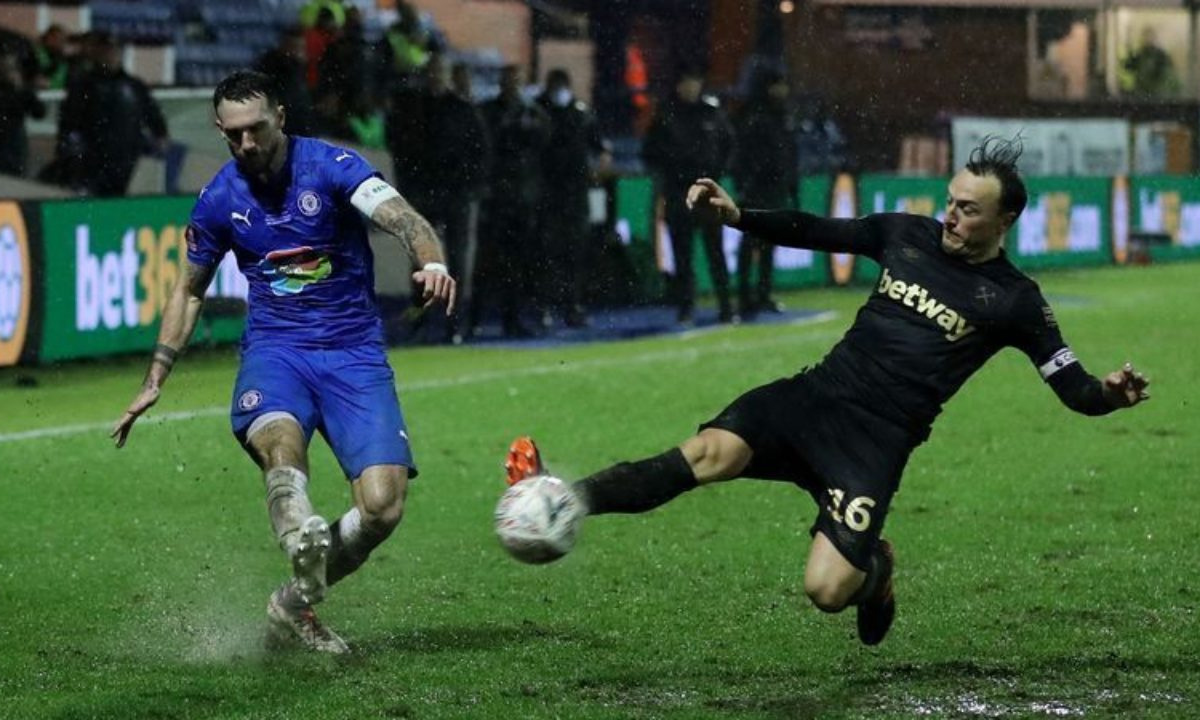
<point x="1057" y="361"/>
<point x="372" y="193"/>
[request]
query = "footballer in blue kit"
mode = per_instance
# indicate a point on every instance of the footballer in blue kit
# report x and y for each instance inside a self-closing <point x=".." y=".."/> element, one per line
<point x="294" y="212"/>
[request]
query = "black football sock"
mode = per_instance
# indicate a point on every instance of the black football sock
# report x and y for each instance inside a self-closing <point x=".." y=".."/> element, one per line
<point x="350" y="545"/>
<point x="870" y="585"/>
<point x="636" y="487"/>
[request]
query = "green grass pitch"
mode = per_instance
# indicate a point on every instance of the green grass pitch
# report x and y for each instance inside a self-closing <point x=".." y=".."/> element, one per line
<point x="1046" y="562"/>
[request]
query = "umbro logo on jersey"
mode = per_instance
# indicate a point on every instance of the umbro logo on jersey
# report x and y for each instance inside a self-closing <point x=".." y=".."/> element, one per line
<point x="239" y="216"/>
<point x="918" y="298"/>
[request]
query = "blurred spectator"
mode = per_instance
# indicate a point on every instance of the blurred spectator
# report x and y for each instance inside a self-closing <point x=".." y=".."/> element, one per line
<point x="1149" y="71"/>
<point x="19" y="46"/>
<point x="317" y="40"/>
<point x="310" y="12"/>
<point x="107" y="121"/>
<point x="637" y="82"/>
<point x="574" y="154"/>
<point x="821" y="145"/>
<point x="690" y="138"/>
<point x="765" y="173"/>
<point x="51" y="55"/>
<point x="286" y="65"/>
<point x="461" y="81"/>
<point x="439" y="149"/>
<point x="344" y="95"/>
<point x="404" y="49"/>
<point x="17" y="100"/>
<point x="519" y="130"/>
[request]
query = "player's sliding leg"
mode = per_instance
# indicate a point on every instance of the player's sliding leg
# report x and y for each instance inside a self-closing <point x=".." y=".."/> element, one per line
<point x="713" y="455"/>
<point x="833" y="583"/>
<point x="635" y="487"/>
<point x="278" y="444"/>
<point x="378" y="507"/>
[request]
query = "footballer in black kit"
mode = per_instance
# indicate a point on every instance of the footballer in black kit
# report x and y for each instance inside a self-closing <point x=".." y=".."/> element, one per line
<point x="844" y="428"/>
<point x="946" y="301"/>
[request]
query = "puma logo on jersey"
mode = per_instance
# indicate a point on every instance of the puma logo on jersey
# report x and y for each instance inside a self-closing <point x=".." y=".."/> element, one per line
<point x="918" y="298"/>
<point x="239" y="216"/>
<point x="341" y="157"/>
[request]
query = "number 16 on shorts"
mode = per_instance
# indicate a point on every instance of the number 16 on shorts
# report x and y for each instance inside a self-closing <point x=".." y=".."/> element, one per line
<point x="856" y="515"/>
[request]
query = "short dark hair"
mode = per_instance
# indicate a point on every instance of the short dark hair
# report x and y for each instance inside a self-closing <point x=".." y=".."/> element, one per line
<point x="241" y="85"/>
<point x="998" y="157"/>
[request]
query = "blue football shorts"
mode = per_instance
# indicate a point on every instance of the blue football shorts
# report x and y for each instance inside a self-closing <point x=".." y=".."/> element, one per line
<point x="348" y="395"/>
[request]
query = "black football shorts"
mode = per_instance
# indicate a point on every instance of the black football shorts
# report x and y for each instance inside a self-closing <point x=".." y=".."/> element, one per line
<point x="849" y="459"/>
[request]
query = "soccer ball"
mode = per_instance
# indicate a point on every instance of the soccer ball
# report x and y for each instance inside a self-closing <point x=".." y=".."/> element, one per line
<point x="537" y="519"/>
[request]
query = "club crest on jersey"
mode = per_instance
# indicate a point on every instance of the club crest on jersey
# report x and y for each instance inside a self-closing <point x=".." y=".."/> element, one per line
<point x="250" y="400"/>
<point x="309" y="203"/>
<point x="912" y="295"/>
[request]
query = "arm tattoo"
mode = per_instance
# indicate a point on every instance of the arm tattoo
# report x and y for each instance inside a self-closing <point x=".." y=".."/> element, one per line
<point x="399" y="218"/>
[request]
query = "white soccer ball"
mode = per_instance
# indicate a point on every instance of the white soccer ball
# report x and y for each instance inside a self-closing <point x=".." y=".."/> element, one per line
<point x="537" y="519"/>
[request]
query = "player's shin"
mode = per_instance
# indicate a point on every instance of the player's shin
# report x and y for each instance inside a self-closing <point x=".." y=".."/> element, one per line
<point x="352" y="543"/>
<point x="287" y="502"/>
<point x="636" y="487"/>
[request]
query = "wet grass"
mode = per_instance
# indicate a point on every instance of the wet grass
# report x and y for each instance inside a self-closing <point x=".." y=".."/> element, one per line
<point x="1046" y="561"/>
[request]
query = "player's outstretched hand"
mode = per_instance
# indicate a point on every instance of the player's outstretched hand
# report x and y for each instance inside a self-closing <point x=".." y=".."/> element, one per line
<point x="436" y="286"/>
<point x="1125" y="387"/>
<point x="144" y="400"/>
<point x="708" y="199"/>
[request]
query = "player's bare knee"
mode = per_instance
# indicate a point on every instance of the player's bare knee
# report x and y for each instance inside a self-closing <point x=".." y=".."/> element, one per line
<point x="381" y="493"/>
<point x="716" y="455"/>
<point x="830" y="580"/>
<point x="828" y="595"/>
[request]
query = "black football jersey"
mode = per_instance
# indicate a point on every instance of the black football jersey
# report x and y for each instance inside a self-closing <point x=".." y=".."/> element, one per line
<point x="931" y="320"/>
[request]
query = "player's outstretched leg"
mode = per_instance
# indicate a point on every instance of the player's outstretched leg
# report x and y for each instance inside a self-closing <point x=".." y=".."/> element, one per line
<point x="877" y="608"/>
<point x="641" y="486"/>
<point x="292" y="623"/>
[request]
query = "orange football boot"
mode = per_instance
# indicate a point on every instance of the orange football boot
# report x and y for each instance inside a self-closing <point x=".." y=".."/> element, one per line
<point x="523" y="461"/>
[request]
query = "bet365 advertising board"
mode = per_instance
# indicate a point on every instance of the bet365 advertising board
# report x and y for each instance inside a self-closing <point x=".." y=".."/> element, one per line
<point x="1067" y="221"/>
<point x="17" y="293"/>
<point x="108" y="267"/>
<point x="639" y="213"/>
<point x="1168" y="206"/>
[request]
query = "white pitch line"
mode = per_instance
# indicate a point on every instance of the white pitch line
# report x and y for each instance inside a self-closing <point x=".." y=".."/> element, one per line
<point x="672" y="355"/>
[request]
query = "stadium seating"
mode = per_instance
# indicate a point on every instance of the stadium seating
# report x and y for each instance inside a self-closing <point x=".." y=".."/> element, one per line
<point x="211" y="38"/>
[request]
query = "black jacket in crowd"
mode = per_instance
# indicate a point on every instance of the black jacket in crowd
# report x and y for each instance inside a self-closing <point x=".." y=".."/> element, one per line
<point x="439" y="147"/>
<point x="687" y="141"/>
<point x="16" y="102"/>
<point x="289" y="75"/>
<point x="765" y="169"/>
<point x="519" y="131"/>
<point x="574" y="140"/>
<point x="109" y="119"/>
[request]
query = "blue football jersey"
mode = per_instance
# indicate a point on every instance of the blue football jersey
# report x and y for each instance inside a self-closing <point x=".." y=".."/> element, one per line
<point x="301" y="245"/>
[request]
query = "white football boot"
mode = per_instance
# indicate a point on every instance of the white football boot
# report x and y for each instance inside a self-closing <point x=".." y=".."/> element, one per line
<point x="308" y="551"/>
<point x="288" y="628"/>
